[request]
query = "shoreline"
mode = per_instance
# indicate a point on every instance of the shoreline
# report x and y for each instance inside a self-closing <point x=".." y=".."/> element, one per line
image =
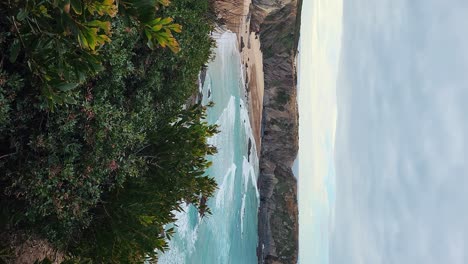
<point x="271" y="94"/>
<point x="278" y="225"/>
<point x="237" y="17"/>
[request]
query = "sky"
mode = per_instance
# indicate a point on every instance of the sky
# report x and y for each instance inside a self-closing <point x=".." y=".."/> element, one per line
<point x="383" y="125"/>
<point x="318" y="61"/>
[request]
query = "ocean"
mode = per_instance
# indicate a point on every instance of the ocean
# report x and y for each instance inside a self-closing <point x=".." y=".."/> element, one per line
<point x="229" y="235"/>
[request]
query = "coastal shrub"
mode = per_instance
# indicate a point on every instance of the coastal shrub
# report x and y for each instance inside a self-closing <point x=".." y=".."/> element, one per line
<point x="118" y="147"/>
<point x="57" y="43"/>
<point x="129" y="225"/>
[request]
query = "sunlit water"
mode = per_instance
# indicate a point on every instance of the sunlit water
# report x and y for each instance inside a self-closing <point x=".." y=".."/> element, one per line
<point x="229" y="235"/>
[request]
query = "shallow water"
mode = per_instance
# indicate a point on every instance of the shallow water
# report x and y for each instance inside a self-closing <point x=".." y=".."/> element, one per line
<point x="229" y="235"/>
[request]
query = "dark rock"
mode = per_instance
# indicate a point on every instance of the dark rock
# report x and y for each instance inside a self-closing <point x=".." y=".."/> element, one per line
<point x="249" y="147"/>
<point x="278" y="212"/>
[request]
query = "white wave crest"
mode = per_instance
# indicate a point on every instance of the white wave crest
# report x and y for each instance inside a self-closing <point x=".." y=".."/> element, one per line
<point x="242" y="213"/>
<point x="188" y="236"/>
<point x="226" y="189"/>
<point x="248" y="172"/>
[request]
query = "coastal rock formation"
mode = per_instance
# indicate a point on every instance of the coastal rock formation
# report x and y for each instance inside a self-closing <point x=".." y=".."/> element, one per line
<point x="276" y="22"/>
<point x="235" y="15"/>
<point x="273" y="108"/>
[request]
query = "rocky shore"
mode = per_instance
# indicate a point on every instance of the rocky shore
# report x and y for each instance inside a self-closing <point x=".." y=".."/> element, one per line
<point x="236" y="16"/>
<point x="268" y="33"/>
<point x="278" y="213"/>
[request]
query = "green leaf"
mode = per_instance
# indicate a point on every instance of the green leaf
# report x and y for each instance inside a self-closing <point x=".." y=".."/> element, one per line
<point x="22" y="14"/>
<point x="148" y="34"/>
<point x="82" y="40"/>
<point x="175" y="27"/>
<point x="104" y="25"/>
<point x="90" y="36"/>
<point x="164" y="2"/>
<point x="166" y="20"/>
<point x="14" y="50"/>
<point x="154" y="21"/>
<point x="69" y="99"/>
<point x="97" y="67"/>
<point x="156" y="27"/>
<point x="77" y="6"/>
<point x="67" y="86"/>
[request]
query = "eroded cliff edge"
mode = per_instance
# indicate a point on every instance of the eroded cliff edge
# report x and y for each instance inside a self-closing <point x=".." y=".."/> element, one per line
<point x="278" y="26"/>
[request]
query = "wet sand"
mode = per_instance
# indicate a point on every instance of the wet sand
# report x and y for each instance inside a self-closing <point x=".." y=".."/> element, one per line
<point x="235" y="14"/>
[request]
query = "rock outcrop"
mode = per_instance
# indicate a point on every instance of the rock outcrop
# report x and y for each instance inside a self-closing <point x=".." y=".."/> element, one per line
<point x="276" y="22"/>
<point x="235" y="15"/>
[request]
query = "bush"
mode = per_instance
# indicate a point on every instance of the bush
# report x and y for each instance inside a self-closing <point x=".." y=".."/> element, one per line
<point x="129" y="224"/>
<point x="57" y="43"/>
<point x="118" y="150"/>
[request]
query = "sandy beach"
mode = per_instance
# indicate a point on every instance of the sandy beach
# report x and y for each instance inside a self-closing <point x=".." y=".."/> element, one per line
<point x="235" y="15"/>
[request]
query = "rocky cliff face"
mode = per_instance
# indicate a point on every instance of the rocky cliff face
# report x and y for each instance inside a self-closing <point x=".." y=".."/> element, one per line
<point x="276" y="23"/>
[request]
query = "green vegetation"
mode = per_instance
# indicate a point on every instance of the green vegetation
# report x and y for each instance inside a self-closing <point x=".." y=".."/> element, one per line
<point x="96" y="148"/>
<point x="60" y="40"/>
<point x="282" y="98"/>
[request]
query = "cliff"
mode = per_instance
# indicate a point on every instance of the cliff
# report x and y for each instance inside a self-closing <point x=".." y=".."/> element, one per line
<point x="273" y="24"/>
<point x="235" y="15"/>
<point x="278" y="27"/>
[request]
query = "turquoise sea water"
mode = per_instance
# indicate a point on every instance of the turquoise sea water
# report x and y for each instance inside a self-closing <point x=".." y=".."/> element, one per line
<point x="229" y="235"/>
